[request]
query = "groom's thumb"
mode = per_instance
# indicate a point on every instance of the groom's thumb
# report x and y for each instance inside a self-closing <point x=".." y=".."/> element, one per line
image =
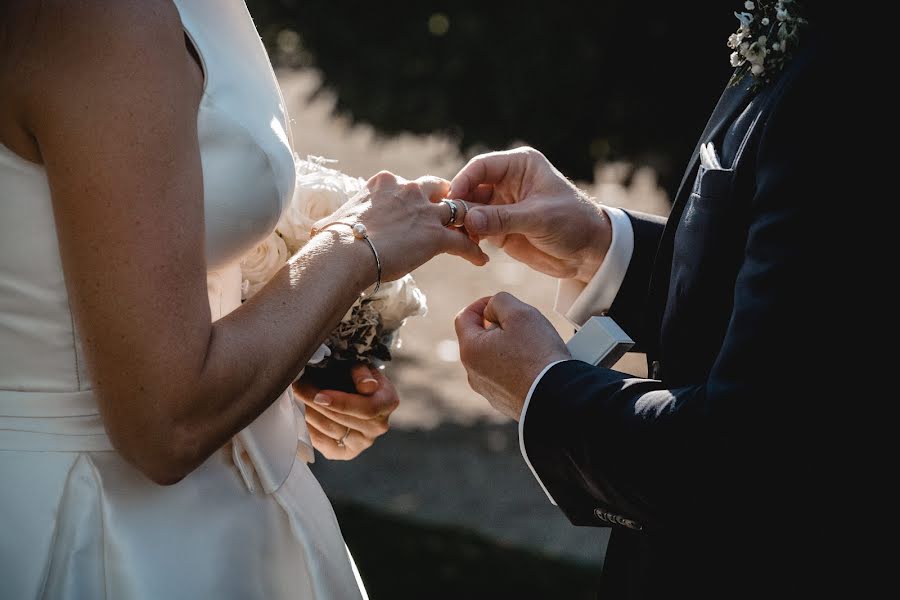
<point x="500" y="220"/>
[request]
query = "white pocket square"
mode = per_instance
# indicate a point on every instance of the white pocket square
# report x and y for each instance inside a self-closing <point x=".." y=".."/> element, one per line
<point x="708" y="157"/>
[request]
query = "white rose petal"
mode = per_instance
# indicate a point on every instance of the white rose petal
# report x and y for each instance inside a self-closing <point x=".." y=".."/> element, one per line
<point x="399" y="300"/>
<point x="762" y="40"/>
<point x="757" y="69"/>
<point x="736" y="59"/>
<point x="319" y="192"/>
<point x="261" y="263"/>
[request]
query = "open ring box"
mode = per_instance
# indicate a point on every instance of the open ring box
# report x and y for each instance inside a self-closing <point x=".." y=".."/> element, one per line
<point x="600" y="342"/>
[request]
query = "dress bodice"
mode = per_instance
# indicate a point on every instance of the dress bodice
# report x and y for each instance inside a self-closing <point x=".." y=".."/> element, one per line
<point x="76" y="519"/>
<point x="248" y="179"/>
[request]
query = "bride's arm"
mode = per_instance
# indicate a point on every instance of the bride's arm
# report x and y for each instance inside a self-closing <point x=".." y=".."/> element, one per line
<point x="113" y="110"/>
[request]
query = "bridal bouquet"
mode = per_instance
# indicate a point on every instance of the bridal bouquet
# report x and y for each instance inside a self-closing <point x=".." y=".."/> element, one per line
<point x="368" y="331"/>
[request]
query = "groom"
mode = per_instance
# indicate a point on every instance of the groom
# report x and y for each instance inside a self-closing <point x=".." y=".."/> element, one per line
<point x="708" y="469"/>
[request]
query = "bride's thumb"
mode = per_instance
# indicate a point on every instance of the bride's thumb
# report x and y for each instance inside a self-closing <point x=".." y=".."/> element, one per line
<point x="501" y="219"/>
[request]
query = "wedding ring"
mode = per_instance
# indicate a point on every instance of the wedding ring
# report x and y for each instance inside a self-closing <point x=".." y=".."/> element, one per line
<point x="340" y="442"/>
<point x="453" y="210"/>
<point x="462" y="220"/>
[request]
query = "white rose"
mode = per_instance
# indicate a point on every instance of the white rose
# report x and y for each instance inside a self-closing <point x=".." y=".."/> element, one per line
<point x="749" y="5"/>
<point x="757" y="69"/>
<point x="765" y="21"/>
<point x="399" y="300"/>
<point x="260" y="264"/>
<point x="318" y="193"/>
<point x="736" y="59"/>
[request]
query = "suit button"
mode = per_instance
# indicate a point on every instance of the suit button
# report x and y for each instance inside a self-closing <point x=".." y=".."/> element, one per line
<point x="654" y="369"/>
<point x="612" y="519"/>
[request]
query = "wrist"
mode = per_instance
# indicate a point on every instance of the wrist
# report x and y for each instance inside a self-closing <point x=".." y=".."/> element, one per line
<point x="355" y="255"/>
<point x="595" y="253"/>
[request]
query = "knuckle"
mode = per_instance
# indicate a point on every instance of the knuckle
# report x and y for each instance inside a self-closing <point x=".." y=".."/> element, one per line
<point x="382" y="427"/>
<point x="412" y="187"/>
<point x="382" y="178"/>
<point x="533" y="153"/>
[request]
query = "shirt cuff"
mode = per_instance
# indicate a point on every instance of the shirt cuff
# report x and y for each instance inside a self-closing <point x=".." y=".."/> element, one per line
<point x="534" y="385"/>
<point x="578" y="302"/>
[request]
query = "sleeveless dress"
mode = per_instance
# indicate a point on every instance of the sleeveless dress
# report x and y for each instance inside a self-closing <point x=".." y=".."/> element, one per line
<point x="76" y="520"/>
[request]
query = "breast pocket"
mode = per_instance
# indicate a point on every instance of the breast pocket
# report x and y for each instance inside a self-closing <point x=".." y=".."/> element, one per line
<point x="707" y="253"/>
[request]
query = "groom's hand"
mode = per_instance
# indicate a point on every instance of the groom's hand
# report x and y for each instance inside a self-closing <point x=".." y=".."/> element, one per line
<point x="356" y="419"/>
<point x="504" y="344"/>
<point x="534" y="213"/>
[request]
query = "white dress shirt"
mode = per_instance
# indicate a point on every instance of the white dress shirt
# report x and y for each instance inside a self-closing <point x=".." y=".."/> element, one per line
<point x="578" y="302"/>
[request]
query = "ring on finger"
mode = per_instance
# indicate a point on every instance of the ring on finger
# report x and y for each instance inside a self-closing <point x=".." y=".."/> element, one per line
<point x="340" y="442"/>
<point x="465" y="212"/>
<point x="453" y="210"/>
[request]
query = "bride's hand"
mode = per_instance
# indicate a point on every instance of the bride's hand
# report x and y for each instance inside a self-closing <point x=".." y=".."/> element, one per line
<point x="356" y="420"/>
<point x="405" y="222"/>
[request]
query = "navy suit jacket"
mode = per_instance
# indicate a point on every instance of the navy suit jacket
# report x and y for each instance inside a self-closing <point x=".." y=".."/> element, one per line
<point x="703" y="470"/>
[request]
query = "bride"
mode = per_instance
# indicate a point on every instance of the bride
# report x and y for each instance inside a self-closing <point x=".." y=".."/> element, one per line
<point x="147" y="443"/>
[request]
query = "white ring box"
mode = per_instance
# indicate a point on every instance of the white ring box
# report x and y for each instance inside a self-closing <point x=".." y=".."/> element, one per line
<point x="600" y="342"/>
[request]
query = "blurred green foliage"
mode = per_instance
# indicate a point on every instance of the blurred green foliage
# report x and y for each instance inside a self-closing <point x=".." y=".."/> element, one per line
<point x="581" y="81"/>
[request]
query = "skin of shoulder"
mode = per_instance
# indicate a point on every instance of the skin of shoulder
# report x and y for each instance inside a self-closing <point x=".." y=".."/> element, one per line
<point x="48" y="46"/>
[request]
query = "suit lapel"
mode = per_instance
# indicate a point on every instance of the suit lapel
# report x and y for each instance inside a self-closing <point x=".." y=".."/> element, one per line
<point x="731" y="103"/>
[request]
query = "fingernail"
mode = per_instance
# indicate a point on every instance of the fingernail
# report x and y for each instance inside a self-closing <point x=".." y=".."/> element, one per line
<point x="476" y="220"/>
<point x="368" y="380"/>
<point x="322" y="400"/>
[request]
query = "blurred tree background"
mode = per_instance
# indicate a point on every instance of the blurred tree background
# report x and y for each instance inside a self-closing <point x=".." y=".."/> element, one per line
<point x="582" y="81"/>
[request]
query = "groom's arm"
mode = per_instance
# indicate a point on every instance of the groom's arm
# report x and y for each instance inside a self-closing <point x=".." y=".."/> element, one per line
<point x="619" y="287"/>
<point x="612" y="448"/>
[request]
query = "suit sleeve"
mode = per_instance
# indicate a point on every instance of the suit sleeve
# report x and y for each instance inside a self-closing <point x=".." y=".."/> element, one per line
<point x="606" y="443"/>
<point x="630" y="305"/>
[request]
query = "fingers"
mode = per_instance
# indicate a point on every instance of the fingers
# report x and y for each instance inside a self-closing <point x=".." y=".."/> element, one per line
<point x="490" y="168"/>
<point x="434" y="188"/>
<point x="502" y="307"/>
<point x="354" y="444"/>
<point x="380" y="404"/>
<point x="457" y="243"/>
<point x="470" y="320"/>
<point x="483" y="194"/>
<point x="335" y="424"/>
<point x="363" y="379"/>
<point x="504" y="219"/>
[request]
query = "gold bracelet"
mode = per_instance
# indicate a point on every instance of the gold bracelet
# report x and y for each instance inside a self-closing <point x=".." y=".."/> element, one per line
<point x="361" y="233"/>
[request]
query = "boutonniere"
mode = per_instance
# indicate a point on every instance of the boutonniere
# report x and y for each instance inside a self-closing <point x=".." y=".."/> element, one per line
<point x="768" y="35"/>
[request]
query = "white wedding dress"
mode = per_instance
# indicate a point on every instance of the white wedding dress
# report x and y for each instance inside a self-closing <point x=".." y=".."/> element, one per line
<point x="76" y="520"/>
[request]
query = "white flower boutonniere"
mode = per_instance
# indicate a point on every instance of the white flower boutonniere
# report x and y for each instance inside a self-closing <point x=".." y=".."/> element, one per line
<point x="769" y="32"/>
